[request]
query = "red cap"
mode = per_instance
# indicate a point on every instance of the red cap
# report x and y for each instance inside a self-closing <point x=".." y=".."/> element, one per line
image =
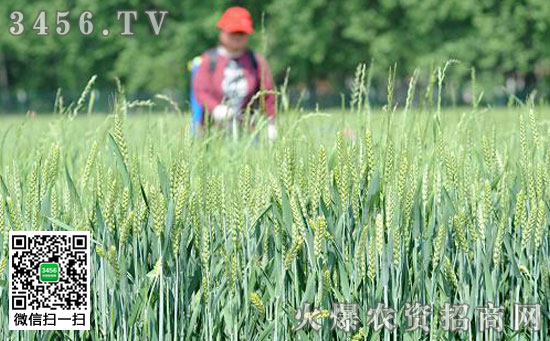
<point x="236" y="19"/>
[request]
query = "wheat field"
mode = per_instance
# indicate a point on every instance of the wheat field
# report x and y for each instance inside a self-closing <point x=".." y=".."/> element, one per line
<point x="224" y="237"/>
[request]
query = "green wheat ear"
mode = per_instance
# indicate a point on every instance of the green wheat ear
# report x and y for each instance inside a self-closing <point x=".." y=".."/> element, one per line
<point x="257" y="303"/>
<point x="449" y="272"/>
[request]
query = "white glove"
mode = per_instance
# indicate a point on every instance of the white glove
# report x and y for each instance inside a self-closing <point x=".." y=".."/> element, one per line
<point x="271" y="131"/>
<point x="222" y="112"/>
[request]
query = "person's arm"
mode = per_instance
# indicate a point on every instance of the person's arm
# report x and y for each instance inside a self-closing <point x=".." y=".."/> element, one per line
<point x="269" y="87"/>
<point x="202" y="85"/>
<point x="270" y="107"/>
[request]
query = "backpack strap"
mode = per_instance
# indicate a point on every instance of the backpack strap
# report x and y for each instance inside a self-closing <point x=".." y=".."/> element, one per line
<point x="253" y="58"/>
<point x="213" y="56"/>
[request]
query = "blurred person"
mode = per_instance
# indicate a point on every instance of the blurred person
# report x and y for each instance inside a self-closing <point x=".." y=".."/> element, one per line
<point x="226" y="78"/>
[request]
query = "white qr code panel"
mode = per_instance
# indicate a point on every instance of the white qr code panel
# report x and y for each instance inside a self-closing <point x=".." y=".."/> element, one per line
<point x="49" y="280"/>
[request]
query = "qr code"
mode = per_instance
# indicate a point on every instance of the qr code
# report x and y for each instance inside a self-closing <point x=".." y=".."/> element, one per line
<point x="49" y="273"/>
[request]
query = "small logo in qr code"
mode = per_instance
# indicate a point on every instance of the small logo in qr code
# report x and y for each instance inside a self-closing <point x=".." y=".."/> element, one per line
<point x="49" y="280"/>
<point x="49" y="272"/>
